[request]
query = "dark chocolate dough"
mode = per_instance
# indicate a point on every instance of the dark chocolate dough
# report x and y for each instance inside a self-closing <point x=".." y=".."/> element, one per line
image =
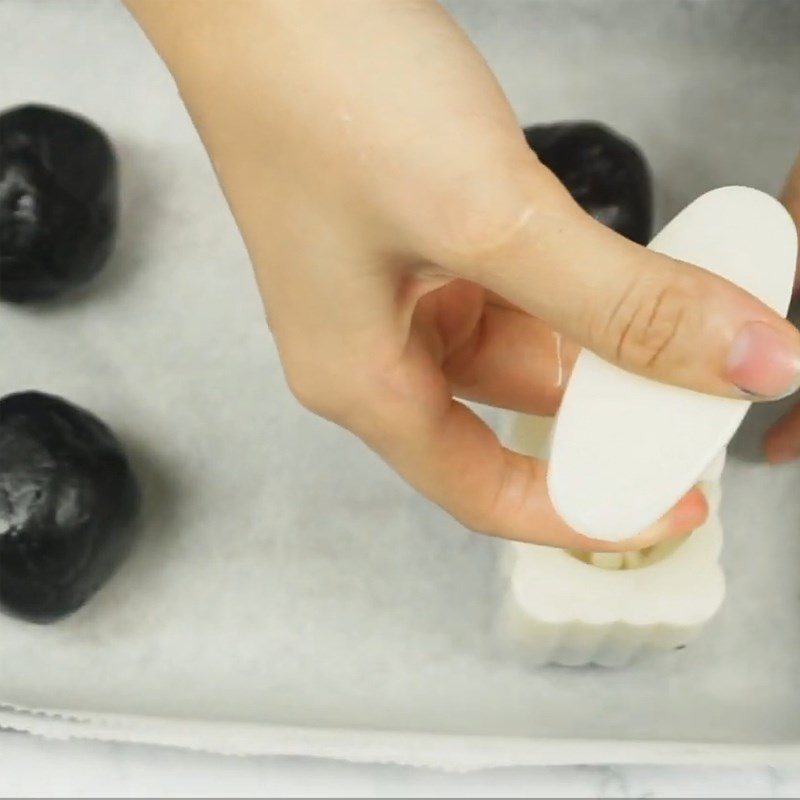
<point x="58" y="202"/>
<point x="68" y="503"/>
<point x="606" y="174"/>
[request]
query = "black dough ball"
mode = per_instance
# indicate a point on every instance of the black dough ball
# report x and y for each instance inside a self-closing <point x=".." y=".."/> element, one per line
<point x="68" y="504"/>
<point x="58" y="202"/>
<point x="606" y="174"/>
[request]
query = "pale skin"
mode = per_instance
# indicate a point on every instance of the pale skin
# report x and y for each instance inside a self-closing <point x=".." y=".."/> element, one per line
<point x="782" y="443"/>
<point x="411" y="251"/>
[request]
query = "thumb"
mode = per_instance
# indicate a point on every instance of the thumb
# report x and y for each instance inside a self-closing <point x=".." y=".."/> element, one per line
<point x="648" y="313"/>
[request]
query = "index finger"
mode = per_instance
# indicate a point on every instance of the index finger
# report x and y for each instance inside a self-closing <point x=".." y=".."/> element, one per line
<point x="451" y="456"/>
<point x="791" y="199"/>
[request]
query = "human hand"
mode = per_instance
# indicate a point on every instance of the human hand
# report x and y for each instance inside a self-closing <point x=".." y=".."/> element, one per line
<point x="782" y="442"/>
<point x="410" y="248"/>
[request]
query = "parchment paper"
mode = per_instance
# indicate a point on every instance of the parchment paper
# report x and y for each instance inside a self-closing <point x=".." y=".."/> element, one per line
<point x="285" y="577"/>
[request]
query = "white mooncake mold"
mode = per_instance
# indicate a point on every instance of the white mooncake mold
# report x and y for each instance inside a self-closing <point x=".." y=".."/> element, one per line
<point x="606" y="608"/>
<point x="740" y="234"/>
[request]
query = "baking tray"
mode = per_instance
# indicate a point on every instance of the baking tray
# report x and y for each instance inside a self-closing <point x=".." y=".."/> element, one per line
<point x="289" y="594"/>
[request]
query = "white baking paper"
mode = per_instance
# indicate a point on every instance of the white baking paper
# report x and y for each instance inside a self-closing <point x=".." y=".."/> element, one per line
<point x="289" y="593"/>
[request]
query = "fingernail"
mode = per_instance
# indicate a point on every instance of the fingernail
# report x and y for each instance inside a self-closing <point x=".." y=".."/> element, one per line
<point x="763" y="362"/>
<point x="686" y="516"/>
<point x="689" y="514"/>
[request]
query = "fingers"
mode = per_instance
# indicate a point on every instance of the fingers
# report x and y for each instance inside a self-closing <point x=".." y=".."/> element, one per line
<point x="454" y="459"/>
<point x="513" y="361"/>
<point x="489" y="350"/>
<point x="650" y="314"/>
<point x="791" y="199"/>
<point x="782" y="442"/>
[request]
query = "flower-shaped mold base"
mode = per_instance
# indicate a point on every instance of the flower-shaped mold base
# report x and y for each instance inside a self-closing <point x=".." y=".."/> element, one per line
<point x="563" y="609"/>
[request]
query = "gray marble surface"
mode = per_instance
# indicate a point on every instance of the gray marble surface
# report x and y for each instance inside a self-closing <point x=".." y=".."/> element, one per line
<point x="32" y="768"/>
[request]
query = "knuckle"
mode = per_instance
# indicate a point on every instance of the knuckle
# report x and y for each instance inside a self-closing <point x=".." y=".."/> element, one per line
<point x="479" y="520"/>
<point x="305" y="388"/>
<point x="473" y="233"/>
<point x="306" y="381"/>
<point x="654" y="317"/>
<point x="477" y="218"/>
<point x="499" y="513"/>
<point x="317" y="384"/>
